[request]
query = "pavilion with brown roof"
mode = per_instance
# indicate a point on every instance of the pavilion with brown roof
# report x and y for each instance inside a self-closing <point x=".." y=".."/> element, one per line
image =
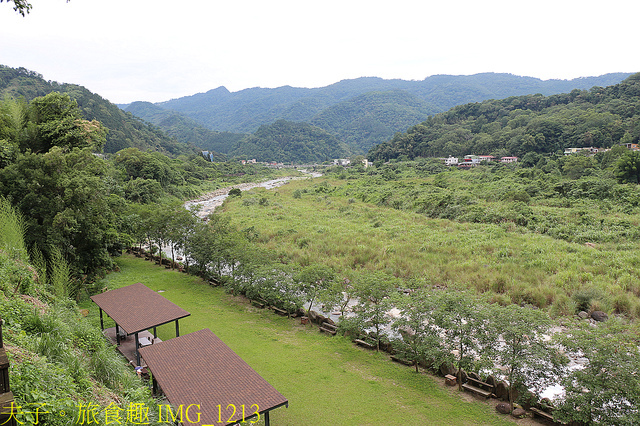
<point x="136" y="308"/>
<point x="207" y="383"/>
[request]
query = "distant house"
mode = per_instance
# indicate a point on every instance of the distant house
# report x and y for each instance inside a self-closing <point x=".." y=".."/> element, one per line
<point x="469" y="161"/>
<point x="569" y="151"/>
<point x="451" y="161"/>
<point x="487" y="158"/>
<point x="366" y="163"/>
<point x="631" y="146"/>
<point x="208" y="155"/>
<point x="253" y="161"/>
<point x="591" y="150"/>
<point x="341" y="162"/>
<point x="508" y="159"/>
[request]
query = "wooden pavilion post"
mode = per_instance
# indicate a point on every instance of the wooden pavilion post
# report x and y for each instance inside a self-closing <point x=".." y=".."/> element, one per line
<point x="137" y="351"/>
<point x="101" y="320"/>
<point x="177" y="329"/>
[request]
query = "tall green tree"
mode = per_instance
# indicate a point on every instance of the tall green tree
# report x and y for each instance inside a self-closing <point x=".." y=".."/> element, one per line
<point x="462" y="320"/>
<point x="314" y="280"/>
<point x="606" y="389"/>
<point x="373" y="290"/>
<point x="628" y="168"/>
<point x="524" y="352"/>
<point x="419" y="339"/>
<point x="67" y="203"/>
<point x="58" y="122"/>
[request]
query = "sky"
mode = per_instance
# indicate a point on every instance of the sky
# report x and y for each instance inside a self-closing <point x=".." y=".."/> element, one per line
<point x="157" y="50"/>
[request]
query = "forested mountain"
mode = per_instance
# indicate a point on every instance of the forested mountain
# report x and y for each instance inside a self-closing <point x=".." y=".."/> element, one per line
<point x="185" y="129"/>
<point x="246" y="110"/>
<point x="125" y="130"/>
<point x="289" y="142"/>
<point x="599" y="117"/>
<point x="360" y="121"/>
<point x="373" y="117"/>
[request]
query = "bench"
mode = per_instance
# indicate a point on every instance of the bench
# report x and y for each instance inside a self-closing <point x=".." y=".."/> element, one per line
<point x="279" y="311"/>
<point x="479" y="387"/>
<point x="540" y="413"/>
<point x="476" y="390"/>
<point x="258" y="304"/>
<point x="402" y="361"/>
<point x="365" y="344"/>
<point x="329" y="328"/>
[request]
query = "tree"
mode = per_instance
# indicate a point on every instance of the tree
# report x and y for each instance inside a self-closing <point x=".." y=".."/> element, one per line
<point x="419" y="339"/>
<point x="578" y="165"/>
<point x="529" y="361"/>
<point x="628" y="168"/>
<point x="314" y="280"/>
<point x="462" y="320"/>
<point x="274" y="283"/>
<point x="606" y="390"/>
<point x="373" y="289"/>
<point x="66" y="201"/>
<point x="58" y="122"/>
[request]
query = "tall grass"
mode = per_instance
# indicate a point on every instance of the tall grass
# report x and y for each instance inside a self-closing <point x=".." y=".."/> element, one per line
<point x="310" y="223"/>
<point x="12" y="231"/>
<point x="60" y="274"/>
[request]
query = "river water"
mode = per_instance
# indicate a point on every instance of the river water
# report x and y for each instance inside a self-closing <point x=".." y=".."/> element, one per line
<point x="209" y="202"/>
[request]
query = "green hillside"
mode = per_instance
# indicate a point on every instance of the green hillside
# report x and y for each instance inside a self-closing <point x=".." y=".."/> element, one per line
<point x="288" y="142"/>
<point x="244" y="111"/>
<point x="373" y="117"/>
<point x="125" y="130"/>
<point x="361" y="112"/>
<point x="184" y="129"/>
<point x="534" y="124"/>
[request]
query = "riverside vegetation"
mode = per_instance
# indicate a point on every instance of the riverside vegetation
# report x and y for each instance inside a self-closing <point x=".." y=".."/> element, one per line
<point x="549" y="237"/>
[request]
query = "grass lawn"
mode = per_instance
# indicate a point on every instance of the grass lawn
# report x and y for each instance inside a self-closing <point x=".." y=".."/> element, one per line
<point x="327" y="380"/>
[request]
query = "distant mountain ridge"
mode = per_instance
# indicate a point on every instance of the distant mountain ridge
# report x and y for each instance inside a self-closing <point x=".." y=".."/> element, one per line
<point x="525" y="126"/>
<point x="343" y="109"/>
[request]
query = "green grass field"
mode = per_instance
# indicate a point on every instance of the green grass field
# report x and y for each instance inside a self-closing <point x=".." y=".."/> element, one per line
<point x="327" y="380"/>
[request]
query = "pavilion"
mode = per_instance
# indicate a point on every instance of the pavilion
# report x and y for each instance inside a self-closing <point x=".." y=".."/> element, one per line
<point x="207" y="383"/>
<point x="135" y="309"/>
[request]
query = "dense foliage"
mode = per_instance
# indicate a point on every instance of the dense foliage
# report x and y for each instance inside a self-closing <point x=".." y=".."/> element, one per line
<point x="288" y="142"/>
<point x="58" y="360"/>
<point x="360" y="112"/>
<point x="125" y="130"/>
<point x="551" y="232"/>
<point x="77" y="202"/>
<point x="184" y="129"/>
<point x="372" y="118"/>
<point x="599" y="117"/>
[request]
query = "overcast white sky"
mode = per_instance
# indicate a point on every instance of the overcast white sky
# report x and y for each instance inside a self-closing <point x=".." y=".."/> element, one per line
<point x="156" y="50"/>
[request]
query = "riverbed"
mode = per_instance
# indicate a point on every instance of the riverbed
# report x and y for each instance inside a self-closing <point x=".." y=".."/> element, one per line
<point x="210" y="201"/>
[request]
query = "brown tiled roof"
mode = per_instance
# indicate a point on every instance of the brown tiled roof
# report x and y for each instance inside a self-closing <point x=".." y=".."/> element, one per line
<point x="136" y="307"/>
<point x="198" y="368"/>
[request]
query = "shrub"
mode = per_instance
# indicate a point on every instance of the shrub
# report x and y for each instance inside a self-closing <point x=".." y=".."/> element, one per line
<point x="235" y="192"/>
<point x="622" y="304"/>
<point x="583" y="299"/>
